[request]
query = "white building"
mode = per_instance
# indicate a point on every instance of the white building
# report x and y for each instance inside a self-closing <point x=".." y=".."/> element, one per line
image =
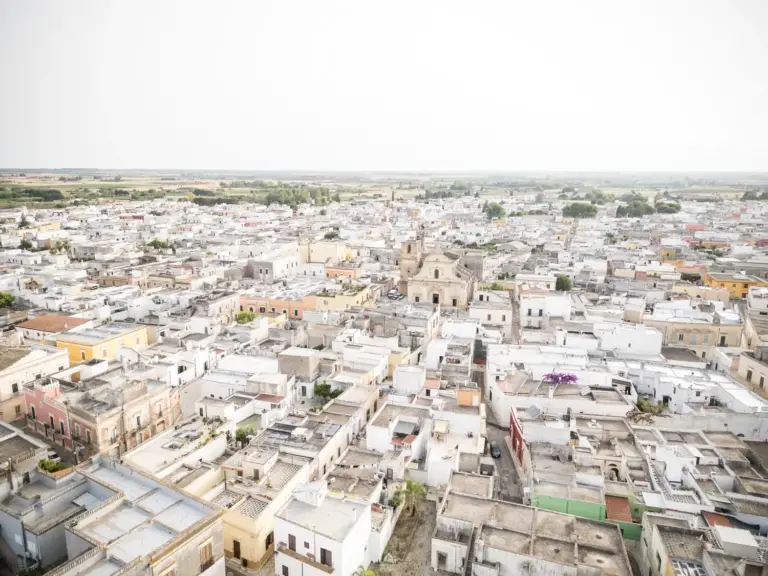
<point x="317" y="534"/>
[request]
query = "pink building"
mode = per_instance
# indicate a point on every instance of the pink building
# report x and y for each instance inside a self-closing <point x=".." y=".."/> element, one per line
<point x="46" y="415"/>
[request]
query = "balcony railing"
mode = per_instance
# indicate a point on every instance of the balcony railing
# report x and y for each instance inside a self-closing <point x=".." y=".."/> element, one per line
<point x="304" y="558"/>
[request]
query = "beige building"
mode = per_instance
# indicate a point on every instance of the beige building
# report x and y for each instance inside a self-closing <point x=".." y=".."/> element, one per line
<point x="753" y="368"/>
<point x="702" y="293"/>
<point x="701" y="337"/>
<point x="410" y="260"/>
<point x="441" y="280"/>
<point x="325" y="250"/>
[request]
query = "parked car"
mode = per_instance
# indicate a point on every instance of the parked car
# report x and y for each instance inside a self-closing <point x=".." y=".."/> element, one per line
<point x="53" y="456"/>
<point x="495" y="450"/>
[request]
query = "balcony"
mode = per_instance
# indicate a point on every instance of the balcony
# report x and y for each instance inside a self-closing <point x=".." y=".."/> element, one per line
<point x="306" y="559"/>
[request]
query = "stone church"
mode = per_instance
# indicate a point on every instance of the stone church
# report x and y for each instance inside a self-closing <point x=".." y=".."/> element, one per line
<point x="435" y="277"/>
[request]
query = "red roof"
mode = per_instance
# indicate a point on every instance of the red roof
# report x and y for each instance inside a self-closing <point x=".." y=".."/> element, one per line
<point x="717" y="519"/>
<point x="270" y="398"/>
<point x="432" y="383"/>
<point x="53" y="323"/>
<point x="617" y="508"/>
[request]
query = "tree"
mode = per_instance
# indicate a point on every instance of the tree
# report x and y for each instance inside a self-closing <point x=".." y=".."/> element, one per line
<point x="495" y="211"/>
<point x="50" y="466"/>
<point x="409" y="495"/>
<point x="241" y="435"/>
<point x="24" y="223"/>
<point x="6" y="299"/>
<point x="580" y="210"/>
<point x="244" y="317"/>
<point x="331" y="235"/>
<point x="25" y="244"/>
<point x="563" y="283"/>
<point x="362" y="571"/>
<point x="636" y="209"/>
<point x="158" y="244"/>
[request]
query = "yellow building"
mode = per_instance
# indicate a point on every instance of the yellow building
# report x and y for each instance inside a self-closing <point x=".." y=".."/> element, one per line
<point x="738" y="285"/>
<point x="348" y="295"/>
<point x="101" y="342"/>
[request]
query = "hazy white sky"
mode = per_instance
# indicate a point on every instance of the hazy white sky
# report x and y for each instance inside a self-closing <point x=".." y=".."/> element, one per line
<point x="389" y="85"/>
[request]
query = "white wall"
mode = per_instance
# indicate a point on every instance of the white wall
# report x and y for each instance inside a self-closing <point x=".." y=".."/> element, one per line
<point x="409" y="379"/>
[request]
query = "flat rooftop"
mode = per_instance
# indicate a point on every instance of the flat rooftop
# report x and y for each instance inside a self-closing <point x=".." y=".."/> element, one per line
<point x="551" y="536"/>
<point x="472" y="484"/>
<point x="333" y="518"/>
<point x="149" y="516"/>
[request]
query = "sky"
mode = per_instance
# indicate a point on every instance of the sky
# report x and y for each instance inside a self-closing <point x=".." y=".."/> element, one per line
<point x="412" y="85"/>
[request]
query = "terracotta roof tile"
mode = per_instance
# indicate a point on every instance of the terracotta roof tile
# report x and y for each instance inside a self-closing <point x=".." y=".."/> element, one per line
<point x="617" y="509"/>
<point x="53" y="323"/>
<point x="717" y="519"/>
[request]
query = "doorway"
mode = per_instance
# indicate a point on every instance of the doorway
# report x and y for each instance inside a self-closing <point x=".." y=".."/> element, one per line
<point x="236" y="551"/>
<point x="435" y="298"/>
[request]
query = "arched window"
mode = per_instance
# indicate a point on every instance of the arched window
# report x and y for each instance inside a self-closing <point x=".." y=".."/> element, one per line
<point x="437" y="273"/>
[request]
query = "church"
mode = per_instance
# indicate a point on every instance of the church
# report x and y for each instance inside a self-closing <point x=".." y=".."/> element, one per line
<point x="435" y="277"/>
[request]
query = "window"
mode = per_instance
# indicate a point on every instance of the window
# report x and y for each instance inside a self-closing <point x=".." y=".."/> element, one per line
<point x="326" y="558"/>
<point x="138" y="420"/>
<point x="206" y="556"/>
<point x="82" y="354"/>
<point x="762" y="381"/>
<point x="33" y="412"/>
<point x="104" y="352"/>
<point x="291" y="542"/>
<point x="87" y="436"/>
<point x="61" y="427"/>
<point x="680" y="337"/>
<point x="541" y="312"/>
<point x="416" y="298"/>
<point x="698" y="393"/>
<point x="170" y="571"/>
<point x="306" y="544"/>
<point x="18" y="409"/>
<point x="705" y="339"/>
<point x="15" y="388"/>
<point x="295" y="312"/>
<point x="503" y="317"/>
<point x="530" y="312"/>
<point x="489" y="317"/>
<point x="481" y="297"/>
<point x="285" y="571"/>
<point x="749" y="375"/>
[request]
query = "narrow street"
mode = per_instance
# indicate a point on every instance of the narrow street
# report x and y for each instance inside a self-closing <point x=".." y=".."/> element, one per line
<point x="509" y="482"/>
